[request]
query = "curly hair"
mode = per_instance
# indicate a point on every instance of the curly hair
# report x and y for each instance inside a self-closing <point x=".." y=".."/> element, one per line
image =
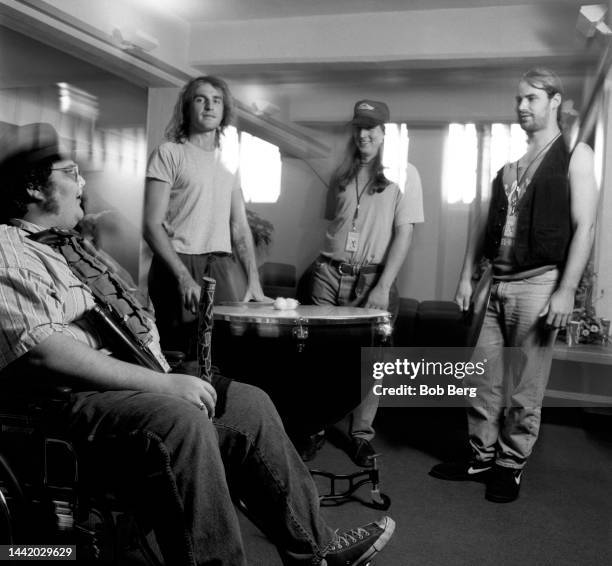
<point x="177" y="129"/>
<point x="14" y="196"/>
<point x="349" y="168"/>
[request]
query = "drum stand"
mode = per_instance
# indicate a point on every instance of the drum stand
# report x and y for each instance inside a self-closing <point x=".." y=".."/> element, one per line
<point x="354" y="481"/>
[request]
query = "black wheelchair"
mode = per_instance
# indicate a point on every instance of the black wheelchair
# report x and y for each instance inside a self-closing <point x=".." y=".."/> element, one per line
<point x="50" y="495"/>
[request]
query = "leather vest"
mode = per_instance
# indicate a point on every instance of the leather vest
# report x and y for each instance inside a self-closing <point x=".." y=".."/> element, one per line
<point x="129" y="325"/>
<point x="544" y="228"/>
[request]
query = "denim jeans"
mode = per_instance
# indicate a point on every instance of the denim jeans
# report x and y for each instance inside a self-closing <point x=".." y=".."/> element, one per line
<point x="183" y="469"/>
<point x="504" y="417"/>
<point x="327" y="286"/>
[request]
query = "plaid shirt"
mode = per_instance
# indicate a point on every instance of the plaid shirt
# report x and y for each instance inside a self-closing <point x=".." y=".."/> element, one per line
<point x="39" y="295"/>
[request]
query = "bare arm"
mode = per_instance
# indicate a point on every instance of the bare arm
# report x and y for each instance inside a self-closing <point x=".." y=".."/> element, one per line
<point x="157" y="195"/>
<point x="242" y="240"/>
<point x="378" y="297"/>
<point x="77" y="364"/>
<point x="583" y="191"/>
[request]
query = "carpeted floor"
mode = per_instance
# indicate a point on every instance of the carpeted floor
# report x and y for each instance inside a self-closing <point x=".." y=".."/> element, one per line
<point x="563" y="517"/>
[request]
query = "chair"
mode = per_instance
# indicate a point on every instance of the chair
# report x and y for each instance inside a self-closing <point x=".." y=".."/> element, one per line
<point x="440" y="323"/>
<point x="278" y="279"/>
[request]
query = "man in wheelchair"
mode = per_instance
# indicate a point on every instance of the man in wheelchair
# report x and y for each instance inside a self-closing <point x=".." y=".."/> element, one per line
<point x="195" y="456"/>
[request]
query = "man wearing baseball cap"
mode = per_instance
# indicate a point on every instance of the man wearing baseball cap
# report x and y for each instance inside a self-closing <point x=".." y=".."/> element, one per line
<point x="365" y="246"/>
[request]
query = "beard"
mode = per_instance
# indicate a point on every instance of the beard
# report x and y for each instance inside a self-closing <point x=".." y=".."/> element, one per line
<point x="50" y="204"/>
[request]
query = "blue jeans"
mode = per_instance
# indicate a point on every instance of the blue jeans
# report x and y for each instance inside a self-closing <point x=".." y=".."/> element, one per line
<point x="327" y="286"/>
<point x="504" y="417"/>
<point x="184" y="469"/>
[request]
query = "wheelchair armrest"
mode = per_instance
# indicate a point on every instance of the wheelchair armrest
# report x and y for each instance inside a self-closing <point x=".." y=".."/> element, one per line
<point x="174" y="358"/>
<point x="32" y="398"/>
<point x="36" y="390"/>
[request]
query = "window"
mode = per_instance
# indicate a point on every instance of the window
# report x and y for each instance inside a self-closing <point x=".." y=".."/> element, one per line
<point x="497" y="144"/>
<point x="460" y="164"/>
<point x="395" y="153"/>
<point x="259" y="162"/>
<point x="508" y="143"/>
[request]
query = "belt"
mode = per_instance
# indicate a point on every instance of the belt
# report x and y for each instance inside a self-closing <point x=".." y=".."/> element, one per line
<point x="351" y="268"/>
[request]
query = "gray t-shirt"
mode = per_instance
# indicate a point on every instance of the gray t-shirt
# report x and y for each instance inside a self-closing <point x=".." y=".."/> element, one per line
<point x="379" y="214"/>
<point x="201" y="187"/>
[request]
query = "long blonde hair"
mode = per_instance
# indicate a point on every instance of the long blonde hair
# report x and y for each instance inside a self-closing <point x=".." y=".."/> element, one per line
<point x="349" y="168"/>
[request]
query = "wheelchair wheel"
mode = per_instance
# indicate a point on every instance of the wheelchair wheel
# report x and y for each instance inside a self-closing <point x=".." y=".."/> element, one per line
<point x="13" y="504"/>
<point x="6" y="530"/>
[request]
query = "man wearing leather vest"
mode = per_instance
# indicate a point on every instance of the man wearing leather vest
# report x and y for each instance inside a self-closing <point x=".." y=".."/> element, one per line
<point x="187" y="454"/>
<point x="537" y="239"/>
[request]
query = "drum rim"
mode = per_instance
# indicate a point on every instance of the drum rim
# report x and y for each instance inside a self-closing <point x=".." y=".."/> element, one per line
<point x="294" y="321"/>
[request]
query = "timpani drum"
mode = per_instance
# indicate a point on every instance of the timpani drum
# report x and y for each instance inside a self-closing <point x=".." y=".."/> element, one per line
<point x="307" y="359"/>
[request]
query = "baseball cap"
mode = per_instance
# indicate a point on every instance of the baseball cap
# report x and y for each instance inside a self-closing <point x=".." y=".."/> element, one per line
<point x="370" y="113"/>
<point x="21" y="147"/>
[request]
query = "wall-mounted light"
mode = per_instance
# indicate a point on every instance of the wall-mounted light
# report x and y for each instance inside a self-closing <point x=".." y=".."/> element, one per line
<point x="127" y="39"/>
<point x="261" y="107"/>
<point x="591" y="20"/>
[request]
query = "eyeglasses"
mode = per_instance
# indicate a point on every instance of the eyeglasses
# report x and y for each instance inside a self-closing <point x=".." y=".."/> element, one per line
<point x="71" y="170"/>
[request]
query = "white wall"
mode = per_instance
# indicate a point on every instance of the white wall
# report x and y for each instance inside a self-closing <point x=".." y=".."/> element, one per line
<point x="434" y="260"/>
<point x="115" y="174"/>
<point x="603" y="261"/>
<point x="171" y="31"/>
<point x="418" y="277"/>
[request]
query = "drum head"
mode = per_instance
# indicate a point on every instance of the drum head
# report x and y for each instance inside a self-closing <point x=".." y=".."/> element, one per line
<point x="263" y="313"/>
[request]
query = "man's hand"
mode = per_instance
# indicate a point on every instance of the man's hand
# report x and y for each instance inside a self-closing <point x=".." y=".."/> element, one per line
<point x="192" y="389"/>
<point x="463" y="296"/>
<point x="559" y="308"/>
<point x="190" y="292"/>
<point x="378" y="298"/>
<point x="255" y="292"/>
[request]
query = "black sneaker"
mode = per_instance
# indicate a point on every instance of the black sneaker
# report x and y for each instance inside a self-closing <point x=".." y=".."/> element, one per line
<point x="362" y="452"/>
<point x="462" y="470"/>
<point x="309" y="446"/>
<point x="504" y="484"/>
<point x="358" y="546"/>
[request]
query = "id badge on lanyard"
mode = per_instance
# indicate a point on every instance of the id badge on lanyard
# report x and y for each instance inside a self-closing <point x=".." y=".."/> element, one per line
<point x="352" y="241"/>
<point x="352" y="238"/>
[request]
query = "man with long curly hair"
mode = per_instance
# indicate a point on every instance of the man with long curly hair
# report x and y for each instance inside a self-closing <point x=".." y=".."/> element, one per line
<point x="194" y="216"/>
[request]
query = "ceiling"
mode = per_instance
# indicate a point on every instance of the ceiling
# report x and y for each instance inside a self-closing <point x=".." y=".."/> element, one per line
<point x="219" y="10"/>
<point x="397" y="74"/>
<point x="24" y="62"/>
<point x="444" y="70"/>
